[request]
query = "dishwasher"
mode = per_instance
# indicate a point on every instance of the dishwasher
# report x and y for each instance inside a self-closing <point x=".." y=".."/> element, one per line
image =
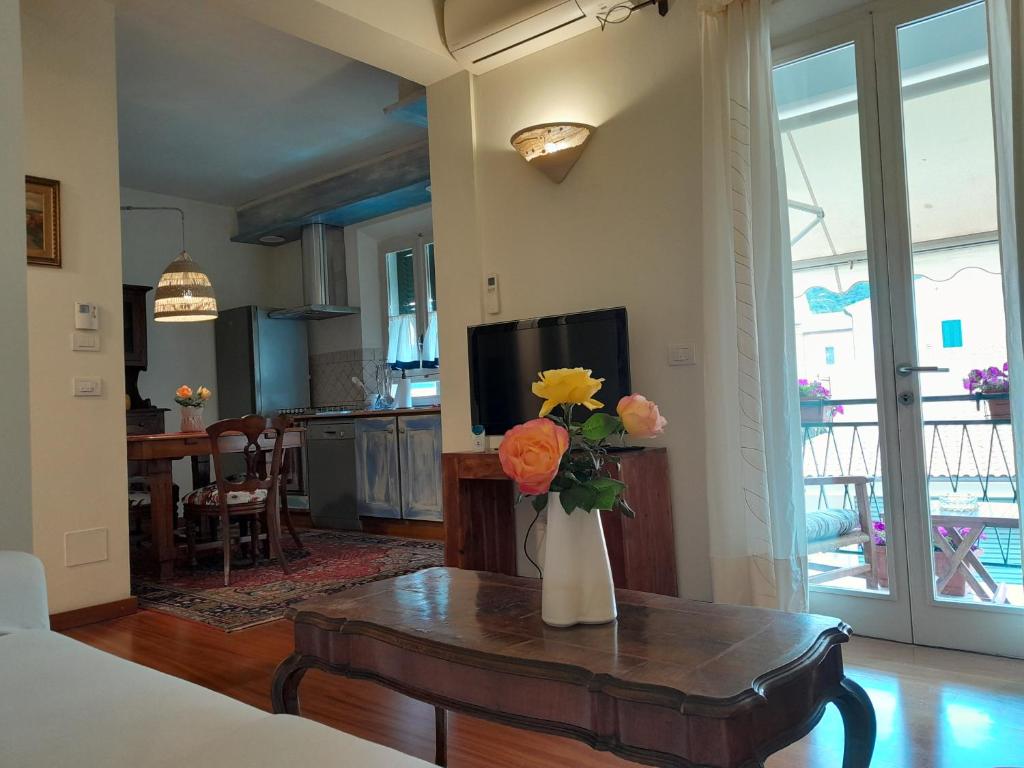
<point x="331" y="474"/>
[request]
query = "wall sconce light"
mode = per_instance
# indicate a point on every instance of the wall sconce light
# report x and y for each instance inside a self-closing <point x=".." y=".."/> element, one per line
<point x="553" y="148"/>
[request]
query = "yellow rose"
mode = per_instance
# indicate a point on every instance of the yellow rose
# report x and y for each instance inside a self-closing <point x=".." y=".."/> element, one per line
<point x="567" y="385"/>
<point x="184" y="391"/>
<point x="203" y="393"/>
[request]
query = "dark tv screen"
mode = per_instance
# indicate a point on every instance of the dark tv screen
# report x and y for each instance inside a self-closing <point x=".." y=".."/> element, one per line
<point x="505" y="358"/>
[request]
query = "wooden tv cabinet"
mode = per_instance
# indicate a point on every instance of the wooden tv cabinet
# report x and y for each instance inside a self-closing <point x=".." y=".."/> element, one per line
<point x="480" y="520"/>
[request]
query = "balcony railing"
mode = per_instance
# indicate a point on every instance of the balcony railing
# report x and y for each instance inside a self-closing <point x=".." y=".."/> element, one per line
<point x="965" y="458"/>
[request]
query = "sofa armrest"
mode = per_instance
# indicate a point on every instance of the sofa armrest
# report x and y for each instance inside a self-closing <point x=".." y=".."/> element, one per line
<point x="22" y="593"/>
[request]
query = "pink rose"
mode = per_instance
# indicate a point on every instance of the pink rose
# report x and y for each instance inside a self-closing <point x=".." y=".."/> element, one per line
<point x="530" y="454"/>
<point x="640" y="416"/>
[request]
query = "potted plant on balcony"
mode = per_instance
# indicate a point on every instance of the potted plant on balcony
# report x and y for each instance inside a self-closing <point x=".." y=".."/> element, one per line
<point x="955" y="587"/>
<point x="813" y="395"/>
<point x="993" y="386"/>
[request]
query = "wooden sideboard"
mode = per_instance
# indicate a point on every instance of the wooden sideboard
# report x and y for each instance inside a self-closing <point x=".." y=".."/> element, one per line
<point x="480" y="520"/>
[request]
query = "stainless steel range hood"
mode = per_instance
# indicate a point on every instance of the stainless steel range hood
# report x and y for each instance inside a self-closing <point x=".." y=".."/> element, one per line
<point x="323" y="252"/>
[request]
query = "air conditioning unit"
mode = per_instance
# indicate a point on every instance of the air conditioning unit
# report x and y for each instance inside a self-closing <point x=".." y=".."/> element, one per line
<point x="484" y="34"/>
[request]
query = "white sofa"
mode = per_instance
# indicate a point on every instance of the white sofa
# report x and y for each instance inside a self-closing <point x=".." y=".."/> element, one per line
<point x="67" y="704"/>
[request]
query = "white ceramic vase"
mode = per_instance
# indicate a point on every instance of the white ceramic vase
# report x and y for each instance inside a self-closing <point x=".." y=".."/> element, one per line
<point x="192" y="419"/>
<point x="577" y="586"/>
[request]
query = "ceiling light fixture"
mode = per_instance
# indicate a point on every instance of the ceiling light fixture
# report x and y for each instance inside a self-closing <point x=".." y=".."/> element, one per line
<point x="553" y="148"/>
<point x="184" y="293"/>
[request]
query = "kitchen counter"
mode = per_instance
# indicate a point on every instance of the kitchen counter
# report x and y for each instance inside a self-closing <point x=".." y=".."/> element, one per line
<point x="365" y="413"/>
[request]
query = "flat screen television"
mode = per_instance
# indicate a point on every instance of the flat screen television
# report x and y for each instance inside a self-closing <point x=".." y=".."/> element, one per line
<point x="505" y="358"/>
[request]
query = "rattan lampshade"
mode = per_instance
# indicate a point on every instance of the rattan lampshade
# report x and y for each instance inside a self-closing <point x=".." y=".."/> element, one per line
<point x="184" y="293"/>
<point x="553" y="148"/>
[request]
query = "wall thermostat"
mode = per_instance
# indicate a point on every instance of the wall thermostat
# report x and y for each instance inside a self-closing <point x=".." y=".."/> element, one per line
<point x="492" y="297"/>
<point x="87" y="316"/>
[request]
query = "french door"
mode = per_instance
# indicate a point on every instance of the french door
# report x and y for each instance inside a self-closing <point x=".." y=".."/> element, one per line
<point x="911" y="483"/>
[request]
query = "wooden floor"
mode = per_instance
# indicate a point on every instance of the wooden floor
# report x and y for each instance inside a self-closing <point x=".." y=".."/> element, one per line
<point x="936" y="709"/>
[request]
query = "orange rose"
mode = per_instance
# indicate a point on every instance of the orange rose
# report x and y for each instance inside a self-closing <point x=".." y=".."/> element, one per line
<point x="530" y="454"/>
<point x="641" y="417"/>
<point x="183" y="391"/>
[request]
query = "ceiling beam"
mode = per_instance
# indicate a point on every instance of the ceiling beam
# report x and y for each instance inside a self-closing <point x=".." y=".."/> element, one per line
<point x="403" y="37"/>
<point x="390" y="183"/>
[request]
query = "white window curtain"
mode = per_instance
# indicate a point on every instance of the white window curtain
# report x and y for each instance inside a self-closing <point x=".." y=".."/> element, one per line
<point x="754" y="475"/>
<point x="1006" y="44"/>
<point x="403" y="349"/>
<point x="430" y="354"/>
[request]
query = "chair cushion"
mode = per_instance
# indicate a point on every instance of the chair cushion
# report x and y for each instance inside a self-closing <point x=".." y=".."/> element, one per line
<point x="209" y="496"/>
<point x="138" y="492"/>
<point x="138" y="499"/>
<point x="824" y="524"/>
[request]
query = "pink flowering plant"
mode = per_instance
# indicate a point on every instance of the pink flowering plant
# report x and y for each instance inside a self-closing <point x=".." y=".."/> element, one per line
<point x="988" y="381"/>
<point x="814" y="390"/>
<point x="878" y="535"/>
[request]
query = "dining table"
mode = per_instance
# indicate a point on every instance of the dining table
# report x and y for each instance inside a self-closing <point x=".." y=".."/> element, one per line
<point x="156" y="454"/>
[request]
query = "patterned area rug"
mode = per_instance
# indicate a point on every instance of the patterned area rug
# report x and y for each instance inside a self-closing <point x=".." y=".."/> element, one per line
<point x="329" y="562"/>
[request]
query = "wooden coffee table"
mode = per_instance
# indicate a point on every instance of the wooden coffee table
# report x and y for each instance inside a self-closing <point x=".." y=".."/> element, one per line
<point x="672" y="683"/>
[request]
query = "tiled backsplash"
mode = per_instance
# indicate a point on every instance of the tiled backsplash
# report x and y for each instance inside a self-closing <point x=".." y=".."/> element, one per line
<point x="331" y="375"/>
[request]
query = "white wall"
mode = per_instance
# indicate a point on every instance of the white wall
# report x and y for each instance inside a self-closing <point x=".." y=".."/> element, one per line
<point x="78" y="448"/>
<point x="242" y="274"/>
<point x="15" y="477"/>
<point x="623" y="229"/>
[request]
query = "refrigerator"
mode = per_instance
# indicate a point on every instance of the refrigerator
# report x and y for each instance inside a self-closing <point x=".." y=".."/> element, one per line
<point x="262" y="363"/>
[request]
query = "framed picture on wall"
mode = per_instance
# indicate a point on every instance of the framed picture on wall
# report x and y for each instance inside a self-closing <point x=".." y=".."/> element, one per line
<point x="42" y="221"/>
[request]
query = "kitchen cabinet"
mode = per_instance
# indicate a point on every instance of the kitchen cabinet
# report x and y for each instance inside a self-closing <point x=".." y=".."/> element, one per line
<point x="377" y="482"/>
<point x="419" y="458"/>
<point x="398" y="467"/>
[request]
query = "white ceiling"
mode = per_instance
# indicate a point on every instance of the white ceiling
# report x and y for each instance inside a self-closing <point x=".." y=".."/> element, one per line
<point x="222" y="109"/>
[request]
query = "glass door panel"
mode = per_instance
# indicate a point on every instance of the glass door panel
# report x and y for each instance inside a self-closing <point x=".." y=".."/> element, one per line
<point x="819" y="121"/>
<point x="970" y="484"/>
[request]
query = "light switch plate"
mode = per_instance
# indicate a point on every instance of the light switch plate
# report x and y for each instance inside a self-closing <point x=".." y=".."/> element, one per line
<point x="84" y="547"/>
<point x="88" y="387"/>
<point x="682" y="354"/>
<point x="85" y="342"/>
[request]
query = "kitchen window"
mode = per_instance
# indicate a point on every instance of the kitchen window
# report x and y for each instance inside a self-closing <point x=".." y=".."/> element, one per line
<point x="412" y="310"/>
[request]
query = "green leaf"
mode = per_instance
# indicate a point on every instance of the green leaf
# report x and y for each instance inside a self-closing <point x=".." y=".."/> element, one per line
<point x="578" y="497"/>
<point x="601" y="425"/>
<point x="607" y="491"/>
<point x="539" y="502"/>
<point x="564" y="480"/>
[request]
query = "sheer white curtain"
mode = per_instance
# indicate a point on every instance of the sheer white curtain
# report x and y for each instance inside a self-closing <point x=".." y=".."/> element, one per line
<point x="755" y="486"/>
<point x="403" y="348"/>
<point x="1006" y="44"/>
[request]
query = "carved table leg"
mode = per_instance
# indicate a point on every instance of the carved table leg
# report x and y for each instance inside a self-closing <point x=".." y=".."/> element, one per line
<point x="440" y="736"/>
<point x="858" y="722"/>
<point x="284" y="692"/>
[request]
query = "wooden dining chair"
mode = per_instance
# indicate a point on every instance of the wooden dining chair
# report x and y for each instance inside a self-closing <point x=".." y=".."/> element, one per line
<point x="252" y="497"/>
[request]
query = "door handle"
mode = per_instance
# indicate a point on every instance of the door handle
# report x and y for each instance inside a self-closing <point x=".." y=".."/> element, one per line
<point x="906" y="369"/>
